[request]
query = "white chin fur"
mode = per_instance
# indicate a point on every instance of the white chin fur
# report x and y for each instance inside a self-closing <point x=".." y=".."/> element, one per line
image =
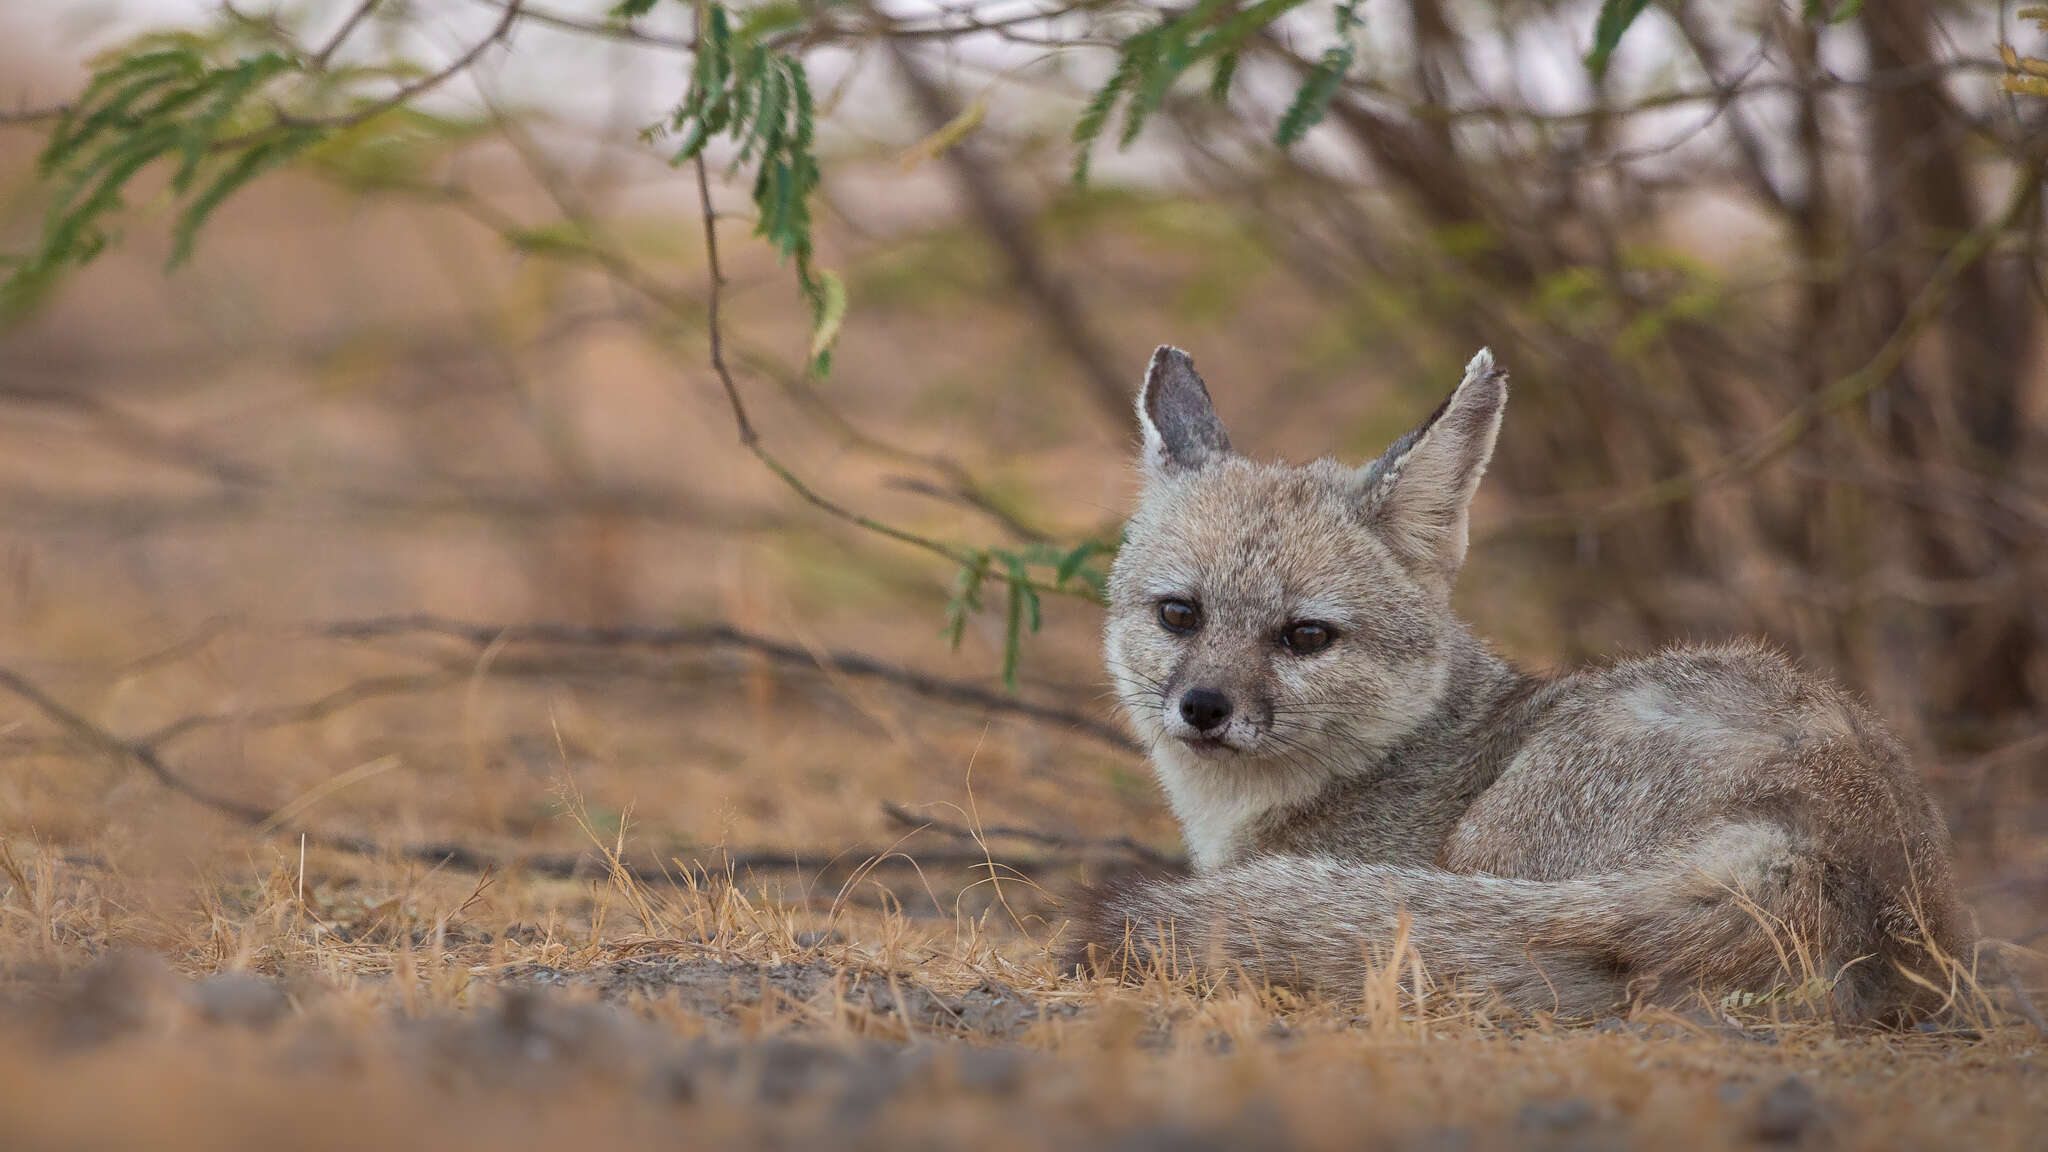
<point x="1217" y="796"/>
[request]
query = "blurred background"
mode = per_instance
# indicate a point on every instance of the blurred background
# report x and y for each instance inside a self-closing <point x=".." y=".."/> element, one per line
<point x="1771" y="292"/>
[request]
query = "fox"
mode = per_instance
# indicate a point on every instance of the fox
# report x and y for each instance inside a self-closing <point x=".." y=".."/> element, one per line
<point x="1354" y="772"/>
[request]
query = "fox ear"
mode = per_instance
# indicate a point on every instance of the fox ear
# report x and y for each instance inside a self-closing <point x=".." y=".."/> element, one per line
<point x="1417" y="493"/>
<point x="1182" y="433"/>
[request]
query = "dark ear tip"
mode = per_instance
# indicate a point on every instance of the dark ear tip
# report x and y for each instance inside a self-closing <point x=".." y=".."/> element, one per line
<point x="1167" y="354"/>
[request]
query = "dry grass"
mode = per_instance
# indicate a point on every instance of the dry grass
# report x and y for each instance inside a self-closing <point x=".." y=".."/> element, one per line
<point x="407" y="1008"/>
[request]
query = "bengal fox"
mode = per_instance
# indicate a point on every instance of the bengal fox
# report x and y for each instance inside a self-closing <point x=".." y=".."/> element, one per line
<point x="1341" y="752"/>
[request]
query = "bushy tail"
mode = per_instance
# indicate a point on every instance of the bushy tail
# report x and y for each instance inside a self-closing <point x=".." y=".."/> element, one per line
<point x="1742" y="910"/>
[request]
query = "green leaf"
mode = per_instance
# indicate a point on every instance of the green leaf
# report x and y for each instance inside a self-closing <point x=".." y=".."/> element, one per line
<point x="1072" y="561"/>
<point x="1615" y="18"/>
<point x="1312" y="102"/>
<point x="1817" y="11"/>
<point x="1230" y="35"/>
<point x="806" y="113"/>
<point x="966" y="598"/>
<point x="1219" y="81"/>
<point x="1149" y="55"/>
<point x="1013" y="640"/>
<point x="761" y="99"/>
<point x="746" y="85"/>
<point x="832" y="313"/>
<point x="1151" y="61"/>
<point x="227" y="97"/>
<point x="250" y="164"/>
<point x="144" y="75"/>
<point x="628" y="9"/>
<point x="770" y="18"/>
<point x="721" y="39"/>
<point x="693" y="143"/>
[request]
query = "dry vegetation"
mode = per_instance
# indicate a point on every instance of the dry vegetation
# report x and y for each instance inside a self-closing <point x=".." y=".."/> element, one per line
<point x="741" y="854"/>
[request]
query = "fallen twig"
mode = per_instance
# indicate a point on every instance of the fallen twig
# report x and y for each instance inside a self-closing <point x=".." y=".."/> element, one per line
<point x="1124" y="844"/>
<point x="465" y="858"/>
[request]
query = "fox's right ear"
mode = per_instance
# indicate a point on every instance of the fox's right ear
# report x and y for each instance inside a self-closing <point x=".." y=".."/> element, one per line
<point x="1182" y="433"/>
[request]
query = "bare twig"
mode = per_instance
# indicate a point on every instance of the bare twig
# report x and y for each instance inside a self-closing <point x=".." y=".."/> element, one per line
<point x="129" y="431"/>
<point x="727" y="636"/>
<point x="751" y="440"/>
<point x="341" y="34"/>
<point x="370" y="688"/>
<point x="127" y="751"/>
<point x="713" y="295"/>
<point x="32" y="116"/>
<point x="404" y="95"/>
<point x="463" y="857"/>
<point x="947" y="23"/>
<point x="904" y="817"/>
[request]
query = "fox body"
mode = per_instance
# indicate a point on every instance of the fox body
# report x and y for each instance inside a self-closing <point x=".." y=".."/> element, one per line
<point x="1342" y="754"/>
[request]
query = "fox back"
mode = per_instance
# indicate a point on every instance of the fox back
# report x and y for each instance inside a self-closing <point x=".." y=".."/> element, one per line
<point x="1340" y="751"/>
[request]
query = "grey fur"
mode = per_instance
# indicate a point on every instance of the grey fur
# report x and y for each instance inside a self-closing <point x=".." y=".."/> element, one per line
<point x="1700" y="820"/>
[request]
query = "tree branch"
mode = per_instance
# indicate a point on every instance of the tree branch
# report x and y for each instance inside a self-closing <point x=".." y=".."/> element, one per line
<point x="751" y="440"/>
<point x="341" y="34"/>
<point x="480" y="636"/>
<point x="1008" y="228"/>
<point x="905" y="818"/>
<point x="463" y="857"/>
<point x="1844" y="391"/>
<point x="404" y="95"/>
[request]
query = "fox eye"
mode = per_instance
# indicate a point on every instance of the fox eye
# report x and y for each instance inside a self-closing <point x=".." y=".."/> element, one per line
<point x="1304" y="637"/>
<point x="1180" y="616"/>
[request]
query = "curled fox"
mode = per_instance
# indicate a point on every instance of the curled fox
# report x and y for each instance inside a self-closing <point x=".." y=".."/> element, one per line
<point x="1342" y="753"/>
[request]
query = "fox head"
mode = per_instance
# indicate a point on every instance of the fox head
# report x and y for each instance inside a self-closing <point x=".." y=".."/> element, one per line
<point x="1276" y="621"/>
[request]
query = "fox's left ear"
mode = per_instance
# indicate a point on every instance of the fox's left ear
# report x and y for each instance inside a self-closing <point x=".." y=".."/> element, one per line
<point x="1182" y="430"/>
<point x="1417" y="494"/>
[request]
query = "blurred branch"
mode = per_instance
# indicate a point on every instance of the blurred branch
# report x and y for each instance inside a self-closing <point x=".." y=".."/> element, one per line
<point x="462" y="857"/>
<point x="952" y="21"/>
<point x="370" y="688"/>
<point x="405" y="94"/>
<point x="750" y="439"/>
<point x="1882" y="79"/>
<point x="1927" y="306"/>
<point x="139" y="754"/>
<point x="130" y="432"/>
<point x="1009" y="229"/>
<point x="341" y="34"/>
<point x="905" y="818"/>
<point x="134" y="511"/>
<point x="609" y="29"/>
<point x="481" y="636"/>
<point x="33" y="116"/>
<point x="1748" y="144"/>
<point x="592" y="250"/>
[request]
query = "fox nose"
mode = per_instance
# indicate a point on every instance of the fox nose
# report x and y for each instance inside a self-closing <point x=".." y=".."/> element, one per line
<point x="1205" y="708"/>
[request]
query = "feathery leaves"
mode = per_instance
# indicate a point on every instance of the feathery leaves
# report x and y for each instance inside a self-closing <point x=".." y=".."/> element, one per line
<point x="1214" y="32"/>
<point x="760" y="99"/>
<point x="170" y="98"/>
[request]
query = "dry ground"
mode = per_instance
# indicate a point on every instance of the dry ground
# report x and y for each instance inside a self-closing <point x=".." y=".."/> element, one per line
<point x="346" y="412"/>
